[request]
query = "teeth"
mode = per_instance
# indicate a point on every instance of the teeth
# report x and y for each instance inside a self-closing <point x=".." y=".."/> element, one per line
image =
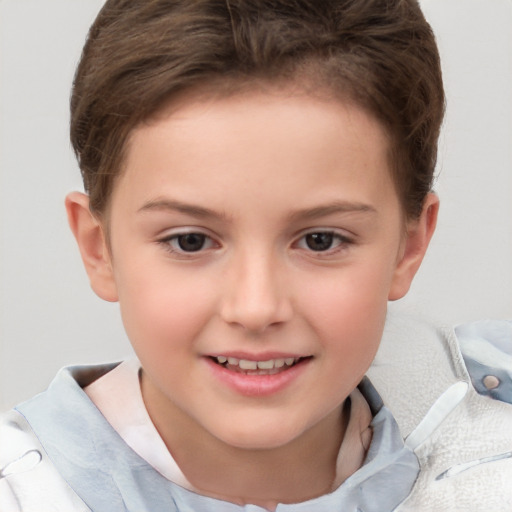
<point x="246" y="364"/>
<point x="266" y="365"/>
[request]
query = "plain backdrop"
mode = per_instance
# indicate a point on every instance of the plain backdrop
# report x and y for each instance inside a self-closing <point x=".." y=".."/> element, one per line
<point x="49" y="317"/>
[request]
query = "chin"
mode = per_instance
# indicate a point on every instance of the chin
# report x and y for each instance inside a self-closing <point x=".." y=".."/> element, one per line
<point x="259" y="437"/>
<point x="260" y="443"/>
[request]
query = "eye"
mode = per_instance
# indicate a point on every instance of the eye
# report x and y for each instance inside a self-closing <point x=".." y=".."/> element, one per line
<point x="323" y="241"/>
<point x="187" y="242"/>
<point x="319" y="241"/>
<point x="191" y="242"/>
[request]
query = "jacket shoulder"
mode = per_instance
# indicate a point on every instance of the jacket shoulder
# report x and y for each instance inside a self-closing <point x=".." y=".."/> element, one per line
<point x="486" y="348"/>
<point x="29" y="481"/>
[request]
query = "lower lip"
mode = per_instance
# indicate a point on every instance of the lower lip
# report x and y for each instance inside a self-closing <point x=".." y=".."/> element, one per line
<point x="258" y="385"/>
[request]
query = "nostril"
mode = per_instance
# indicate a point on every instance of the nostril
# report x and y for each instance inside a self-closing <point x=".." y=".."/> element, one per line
<point x="256" y="299"/>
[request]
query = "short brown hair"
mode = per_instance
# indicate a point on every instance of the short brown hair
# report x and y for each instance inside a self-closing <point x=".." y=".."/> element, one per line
<point x="140" y="53"/>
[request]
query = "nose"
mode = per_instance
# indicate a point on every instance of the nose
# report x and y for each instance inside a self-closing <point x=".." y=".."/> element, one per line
<point x="255" y="296"/>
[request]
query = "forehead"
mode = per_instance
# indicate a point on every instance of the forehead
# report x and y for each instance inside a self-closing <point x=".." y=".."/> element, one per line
<point x="303" y="145"/>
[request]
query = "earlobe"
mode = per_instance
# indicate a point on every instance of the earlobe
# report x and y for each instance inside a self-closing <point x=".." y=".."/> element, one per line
<point x="419" y="234"/>
<point x="89" y="234"/>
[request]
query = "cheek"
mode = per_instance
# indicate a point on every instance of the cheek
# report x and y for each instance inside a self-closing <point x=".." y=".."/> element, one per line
<point x="348" y="314"/>
<point x="163" y="309"/>
<point x="349" y="295"/>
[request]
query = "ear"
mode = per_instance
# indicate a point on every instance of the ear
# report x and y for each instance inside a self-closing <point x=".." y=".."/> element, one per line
<point x="417" y="238"/>
<point x="90" y="236"/>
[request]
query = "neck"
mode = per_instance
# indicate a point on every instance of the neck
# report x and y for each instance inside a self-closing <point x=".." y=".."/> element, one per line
<point x="302" y="469"/>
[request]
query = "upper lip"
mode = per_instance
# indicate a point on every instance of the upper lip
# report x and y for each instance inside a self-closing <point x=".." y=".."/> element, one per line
<point x="262" y="356"/>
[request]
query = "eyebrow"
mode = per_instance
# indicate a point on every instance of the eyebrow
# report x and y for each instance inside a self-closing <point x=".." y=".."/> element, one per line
<point x="303" y="214"/>
<point x="178" y="206"/>
<point x="330" y="209"/>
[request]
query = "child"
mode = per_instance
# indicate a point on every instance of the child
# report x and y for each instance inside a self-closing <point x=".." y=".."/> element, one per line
<point x="258" y="180"/>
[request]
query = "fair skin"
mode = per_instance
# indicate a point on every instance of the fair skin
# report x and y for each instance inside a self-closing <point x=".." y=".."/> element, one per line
<point x="263" y="228"/>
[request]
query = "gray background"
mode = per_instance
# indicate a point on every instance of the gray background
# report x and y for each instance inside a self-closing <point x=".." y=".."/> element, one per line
<point x="49" y="317"/>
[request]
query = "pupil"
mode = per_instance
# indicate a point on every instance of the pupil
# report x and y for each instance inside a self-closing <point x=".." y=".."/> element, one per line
<point x="319" y="241"/>
<point x="191" y="242"/>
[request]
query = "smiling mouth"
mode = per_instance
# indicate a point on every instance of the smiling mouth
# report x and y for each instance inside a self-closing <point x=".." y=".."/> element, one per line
<point x="248" y="367"/>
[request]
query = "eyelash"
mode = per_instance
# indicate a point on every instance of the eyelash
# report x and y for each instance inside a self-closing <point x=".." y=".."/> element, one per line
<point x="168" y="242"/>
<point x="342" y="242"/>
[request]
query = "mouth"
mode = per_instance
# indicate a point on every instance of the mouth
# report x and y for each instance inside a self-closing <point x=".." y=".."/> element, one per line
<point x="264" y="367"/>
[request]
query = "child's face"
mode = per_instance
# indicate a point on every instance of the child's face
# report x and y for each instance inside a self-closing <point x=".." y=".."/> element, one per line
<point x="259" y="227"/>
